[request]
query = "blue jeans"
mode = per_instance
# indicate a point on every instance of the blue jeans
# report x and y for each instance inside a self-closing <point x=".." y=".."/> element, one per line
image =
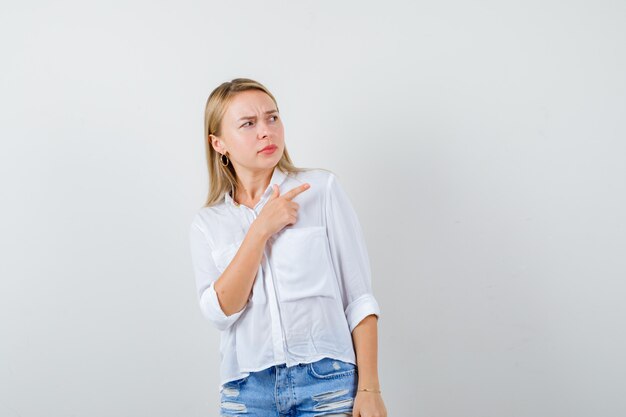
<point x="324" y="387"/>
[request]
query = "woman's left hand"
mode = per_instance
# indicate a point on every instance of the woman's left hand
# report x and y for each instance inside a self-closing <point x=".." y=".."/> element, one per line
<point x="368" y="404"/>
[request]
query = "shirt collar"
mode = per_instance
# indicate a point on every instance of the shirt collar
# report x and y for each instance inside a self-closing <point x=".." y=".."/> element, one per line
<point x="278" y="177"/>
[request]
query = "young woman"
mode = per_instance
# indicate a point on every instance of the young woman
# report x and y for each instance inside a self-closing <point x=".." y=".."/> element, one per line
<point x="282" y="270"/>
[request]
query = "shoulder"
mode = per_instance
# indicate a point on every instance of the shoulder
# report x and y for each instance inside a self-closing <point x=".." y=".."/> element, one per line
<point x="206" y="216"/>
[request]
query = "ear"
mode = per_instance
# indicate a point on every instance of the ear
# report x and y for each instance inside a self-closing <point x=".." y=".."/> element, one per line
<point x="216" y="142"/>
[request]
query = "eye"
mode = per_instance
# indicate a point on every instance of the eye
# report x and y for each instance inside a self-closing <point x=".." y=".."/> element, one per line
<point x="275" y="117"/>
<point x="245" y="124"/>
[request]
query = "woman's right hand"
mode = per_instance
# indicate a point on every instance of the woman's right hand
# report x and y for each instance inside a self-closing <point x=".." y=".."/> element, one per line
<point x="279" y="210"/>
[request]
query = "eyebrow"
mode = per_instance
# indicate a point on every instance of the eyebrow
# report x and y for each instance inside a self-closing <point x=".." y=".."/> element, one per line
<point x="253" y="117"/>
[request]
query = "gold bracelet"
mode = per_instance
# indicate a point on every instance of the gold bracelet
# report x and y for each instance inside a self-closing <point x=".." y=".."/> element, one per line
<point x="370" y="390"/>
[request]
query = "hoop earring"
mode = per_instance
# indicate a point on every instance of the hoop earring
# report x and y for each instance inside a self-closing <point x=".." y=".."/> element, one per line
<point x="222" y="160"/>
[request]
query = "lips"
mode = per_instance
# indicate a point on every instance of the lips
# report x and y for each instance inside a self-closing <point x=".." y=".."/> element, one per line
<point x="269" y="147"/>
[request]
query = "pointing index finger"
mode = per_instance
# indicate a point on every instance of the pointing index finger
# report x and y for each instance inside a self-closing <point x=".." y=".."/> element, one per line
<point x="295" y="191"/>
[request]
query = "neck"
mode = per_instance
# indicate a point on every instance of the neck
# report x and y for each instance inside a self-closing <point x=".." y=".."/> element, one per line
<point x="252" y="184"/>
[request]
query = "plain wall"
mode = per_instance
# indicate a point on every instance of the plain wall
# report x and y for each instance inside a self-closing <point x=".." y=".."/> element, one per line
<point x="481" y="143"/>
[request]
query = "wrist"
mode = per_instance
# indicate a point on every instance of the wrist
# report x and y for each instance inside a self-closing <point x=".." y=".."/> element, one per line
<point x="258" y="231"/>
<point x="365" y="381"/>
<point x="368" y="384"/>
<point x="369" y="390"/>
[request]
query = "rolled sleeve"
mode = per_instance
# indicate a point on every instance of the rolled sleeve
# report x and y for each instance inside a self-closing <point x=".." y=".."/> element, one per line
<point x="349" y="255"/>
<point x="360" y="308"/>
<point x="206" y="273"/>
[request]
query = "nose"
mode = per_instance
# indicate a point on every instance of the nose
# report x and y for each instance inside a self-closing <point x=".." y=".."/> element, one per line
<point x="263" y="131"/>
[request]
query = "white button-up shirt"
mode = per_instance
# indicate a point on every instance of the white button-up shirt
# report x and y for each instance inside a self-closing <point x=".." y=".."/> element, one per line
<point x="312" y="287"/>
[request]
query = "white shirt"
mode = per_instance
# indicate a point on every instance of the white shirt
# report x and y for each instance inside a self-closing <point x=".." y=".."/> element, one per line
<point x="313" y="285"/>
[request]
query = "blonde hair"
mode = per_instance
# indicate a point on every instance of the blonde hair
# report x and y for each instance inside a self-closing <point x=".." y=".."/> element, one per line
<point x="224" y="178"/>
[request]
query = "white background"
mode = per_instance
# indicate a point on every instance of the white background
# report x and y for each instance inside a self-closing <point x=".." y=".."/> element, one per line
<point x="482" y="144"/>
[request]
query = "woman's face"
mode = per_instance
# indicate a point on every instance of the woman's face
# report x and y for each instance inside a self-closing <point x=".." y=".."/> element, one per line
<point x="251" y="123"/>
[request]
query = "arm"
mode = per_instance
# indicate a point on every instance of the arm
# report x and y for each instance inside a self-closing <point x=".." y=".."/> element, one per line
<point x="235" y="283"/>
<point x="365" y="338"/>
<point x="349" y="255"/>
<point x="351" y="262"/>
<point x="223" y="298"/>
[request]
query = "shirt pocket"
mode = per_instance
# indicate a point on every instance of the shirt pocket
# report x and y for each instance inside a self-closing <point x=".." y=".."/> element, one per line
<point x="223" y="255"/>
<point x="301" y="264"/>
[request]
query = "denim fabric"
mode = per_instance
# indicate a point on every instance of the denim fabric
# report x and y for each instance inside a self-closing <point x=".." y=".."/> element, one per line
<point x="323" y="388"/>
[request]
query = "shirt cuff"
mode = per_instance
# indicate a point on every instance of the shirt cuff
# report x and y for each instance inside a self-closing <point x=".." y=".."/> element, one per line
<point x="360" y="308"/>
<point x="213" y="311"/>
